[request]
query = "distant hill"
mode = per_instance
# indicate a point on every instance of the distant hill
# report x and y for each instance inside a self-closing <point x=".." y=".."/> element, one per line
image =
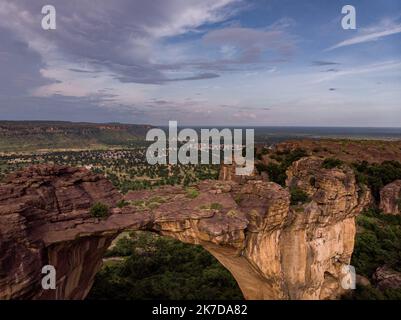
<point x="36" y="135"/>
<point x="372" y="151"/>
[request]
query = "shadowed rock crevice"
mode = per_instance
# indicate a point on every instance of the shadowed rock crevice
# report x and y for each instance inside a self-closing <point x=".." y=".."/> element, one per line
<point x="273" y="250"/>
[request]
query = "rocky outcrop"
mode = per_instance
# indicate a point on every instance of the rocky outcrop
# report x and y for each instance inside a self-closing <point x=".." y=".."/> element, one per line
<point x="362" y="281"/>
<point x="274" y="250"/>
<point x="33" y="204"/>
<point x="228" y="173"/>
<point x="386" y="278"/>
<point x="390" y="198"/>
<point x="323" y="230"/>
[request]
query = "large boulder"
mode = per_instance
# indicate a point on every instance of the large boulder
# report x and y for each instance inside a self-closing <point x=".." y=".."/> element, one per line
<point x="386" y="278"/>
<point x="390" y="198"/>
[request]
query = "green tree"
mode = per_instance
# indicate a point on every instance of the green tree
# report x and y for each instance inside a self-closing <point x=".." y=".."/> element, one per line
<point x="99" y="210"/>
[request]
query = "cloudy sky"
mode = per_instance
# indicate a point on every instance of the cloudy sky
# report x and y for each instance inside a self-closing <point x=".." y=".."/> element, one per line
<point x="202" y="62"/>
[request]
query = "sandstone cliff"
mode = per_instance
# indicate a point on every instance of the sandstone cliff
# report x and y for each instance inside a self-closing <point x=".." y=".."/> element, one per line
<point x="33" y="204"/>
<point x="274" y="250"/>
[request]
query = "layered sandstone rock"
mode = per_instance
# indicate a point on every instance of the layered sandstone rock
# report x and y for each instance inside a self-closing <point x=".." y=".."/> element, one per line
<point x="35" y="202"/>
<point x="390" y="198"/>
<point x="274" y="250"/>
<point x="228" y="173"/>
<point x="324" y="230"/>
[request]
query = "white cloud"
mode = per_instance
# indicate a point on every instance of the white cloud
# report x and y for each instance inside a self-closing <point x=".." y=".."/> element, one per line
<point x="375" y="67"/>
<point x="369" y="35"/>
<point x="191" y="15"/>
<point x="122" y="43"/>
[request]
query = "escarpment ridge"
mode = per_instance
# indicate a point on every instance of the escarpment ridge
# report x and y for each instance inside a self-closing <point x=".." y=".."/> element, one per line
<point x="274" y="249"/>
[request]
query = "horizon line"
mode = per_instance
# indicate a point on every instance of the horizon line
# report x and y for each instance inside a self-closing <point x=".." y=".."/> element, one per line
<point x="209" y="126"/>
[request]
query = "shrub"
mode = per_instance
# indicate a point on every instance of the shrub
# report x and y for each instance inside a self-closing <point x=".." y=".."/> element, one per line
<point x="163" y="268"/>
<point x="277" y="172"/>
<point x="122" y="248"/>
<point x="138" y="203"/>
<point x="261" y="167"/>
<point x="372" y="293"/>
<point x="157" y="199"/>
<point x="298" y="196"/>
<point x="99" y="210"/>
<point x="367" y="293"/>
<point x="376" y="176"/>
<point x="152" y="205"/>
<point x="331" y="163"/>
<point x="122" y="203"/>
<point x="291" y="157"/>
<point x="378" y="242"/>
<point x="216" y="206"/>
<point x="192" y="193"/>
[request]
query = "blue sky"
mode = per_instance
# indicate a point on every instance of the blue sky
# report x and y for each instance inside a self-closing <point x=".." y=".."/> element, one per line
<point x="202" y="62"/>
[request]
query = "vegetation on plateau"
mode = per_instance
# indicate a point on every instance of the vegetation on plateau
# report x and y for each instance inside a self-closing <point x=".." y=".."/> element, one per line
<point x="376" y="176"/>
<point x="99" y="210"/>
<point x="155" y="267"/>
<point x="284" y="159"/>
<point x="378" y="243"/>
<point x="331" y="163"/>
<point x="298" y="196"/>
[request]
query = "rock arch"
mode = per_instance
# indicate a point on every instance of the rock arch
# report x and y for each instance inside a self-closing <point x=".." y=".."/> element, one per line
<point x="273" y="250"/>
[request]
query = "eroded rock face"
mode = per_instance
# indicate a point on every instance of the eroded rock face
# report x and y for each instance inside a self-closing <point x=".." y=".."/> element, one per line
<point x="274" y="250"/>
<point x="386" y="278"/>
<point x="324" y="230"/>
<point x="34" y="203"/>
<point x="390" y="198"/>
